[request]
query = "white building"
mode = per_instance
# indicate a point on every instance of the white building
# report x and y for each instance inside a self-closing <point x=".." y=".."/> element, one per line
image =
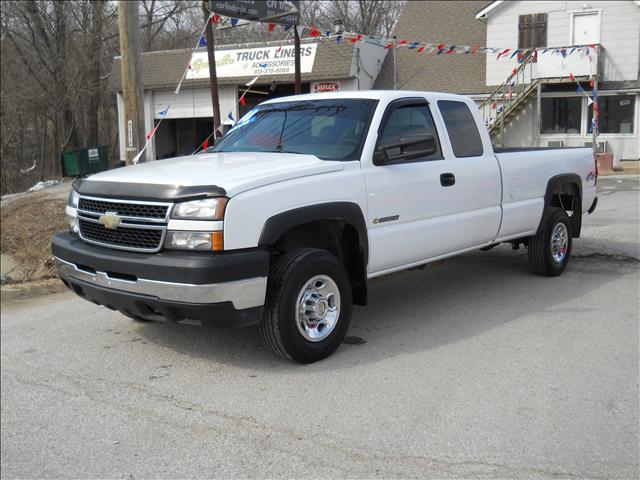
<point x="540" y="105"/>
<point x="325" y="66"/>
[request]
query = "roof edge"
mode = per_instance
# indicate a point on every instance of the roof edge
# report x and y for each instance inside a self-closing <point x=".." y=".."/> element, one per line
<point x="492" y="6"/>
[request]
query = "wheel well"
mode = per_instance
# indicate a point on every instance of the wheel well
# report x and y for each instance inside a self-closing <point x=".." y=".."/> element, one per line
<point x="567" y="197"/>
<point x="336" y="236"/>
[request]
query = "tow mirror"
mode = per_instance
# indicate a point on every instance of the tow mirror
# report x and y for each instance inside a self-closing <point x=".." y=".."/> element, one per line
<point x="407" y="147"/>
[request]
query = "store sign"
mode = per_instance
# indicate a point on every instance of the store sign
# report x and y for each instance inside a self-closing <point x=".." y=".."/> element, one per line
<point x="325" y="87"/>
<point x="249" y="62"/>
<point x="258" y="10"/>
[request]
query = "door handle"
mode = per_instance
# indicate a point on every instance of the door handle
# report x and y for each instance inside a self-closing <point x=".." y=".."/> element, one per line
<point x="447" y="179"/>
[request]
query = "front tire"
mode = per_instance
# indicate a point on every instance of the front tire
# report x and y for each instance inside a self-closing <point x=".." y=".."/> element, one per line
<point x="549" y="250"/>
<point x="308" y="307"/>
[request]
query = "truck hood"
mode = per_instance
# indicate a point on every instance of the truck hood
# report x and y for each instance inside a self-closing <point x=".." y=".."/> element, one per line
<point x="235" y="172"/>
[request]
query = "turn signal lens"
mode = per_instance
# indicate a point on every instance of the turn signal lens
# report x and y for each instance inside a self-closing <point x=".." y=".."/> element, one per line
<point x="217" y="242"/>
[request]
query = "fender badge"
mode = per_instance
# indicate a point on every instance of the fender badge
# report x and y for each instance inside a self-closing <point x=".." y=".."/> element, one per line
<point x="110" y="220"/>
<point x="386" y="219"/>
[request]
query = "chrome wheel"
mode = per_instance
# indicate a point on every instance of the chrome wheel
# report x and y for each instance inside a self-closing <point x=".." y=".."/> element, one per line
<point x="318" y="308"/>
<point x="559" y="242"/>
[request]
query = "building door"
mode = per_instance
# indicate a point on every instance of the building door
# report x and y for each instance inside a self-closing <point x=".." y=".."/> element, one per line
<point x="586" y="28"/>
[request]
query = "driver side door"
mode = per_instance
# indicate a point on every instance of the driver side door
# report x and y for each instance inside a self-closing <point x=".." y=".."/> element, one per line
<point x="412" y="203"/>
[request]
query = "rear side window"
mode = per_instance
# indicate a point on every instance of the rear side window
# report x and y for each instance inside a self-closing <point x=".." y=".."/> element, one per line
<point x="462" y="128"/>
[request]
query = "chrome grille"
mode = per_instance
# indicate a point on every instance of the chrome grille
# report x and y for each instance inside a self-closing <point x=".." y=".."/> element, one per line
<point x="134" y="238"/>
<point x="125" y="209"/>
<point x="142" y="225"/>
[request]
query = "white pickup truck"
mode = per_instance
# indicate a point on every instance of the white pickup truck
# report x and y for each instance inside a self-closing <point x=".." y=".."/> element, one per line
<point x="306" y="199"/>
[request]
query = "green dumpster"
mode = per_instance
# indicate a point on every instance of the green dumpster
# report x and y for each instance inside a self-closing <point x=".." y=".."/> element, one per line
<point x="76" y="163"/>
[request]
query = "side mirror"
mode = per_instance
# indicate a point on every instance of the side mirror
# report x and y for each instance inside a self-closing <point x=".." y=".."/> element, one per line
<point x="406" y="148"/>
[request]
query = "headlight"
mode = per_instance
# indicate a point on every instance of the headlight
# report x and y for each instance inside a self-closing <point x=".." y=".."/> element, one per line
<point x="206" y="209"/>
<point x="71" y="211"/>
<point x="187" y="240"/>
<point x="74" y="198"/>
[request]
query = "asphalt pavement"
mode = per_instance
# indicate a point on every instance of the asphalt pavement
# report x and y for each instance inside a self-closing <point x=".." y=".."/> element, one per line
<point x="469" y="368"/>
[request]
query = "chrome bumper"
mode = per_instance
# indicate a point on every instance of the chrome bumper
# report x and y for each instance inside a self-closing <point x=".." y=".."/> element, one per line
<point x="243" y="294"/>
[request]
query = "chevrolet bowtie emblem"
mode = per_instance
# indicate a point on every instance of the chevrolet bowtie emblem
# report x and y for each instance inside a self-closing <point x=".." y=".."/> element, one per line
<point x="110" y="220"/>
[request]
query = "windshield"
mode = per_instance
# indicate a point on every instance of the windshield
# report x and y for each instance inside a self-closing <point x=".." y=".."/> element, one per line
<point x="329" y="129"/>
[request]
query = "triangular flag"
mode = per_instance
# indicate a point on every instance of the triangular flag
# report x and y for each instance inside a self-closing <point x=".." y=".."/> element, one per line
<point x="591" y="83"/>
<point x="452" y="49"/>
<point x="271" y="27"/>
<point x="413" y="45"/>
<point x="515" y="52"/>
<point x="571" y="77"/>
<point x="215" y="18"/>
<point x="162" y="113"/>
<point x="230" y="117"/>
<point x="475" y="48"/>
<point x="563" y="51"/>
<point x="253" y="80"/>
<point x="263" y="65"/>
<point x="202" y="42"/>
<point x="314" y="32"/>
<point x="242" y="100"/>
<point x="300" y="30"/>
<point x="421" y="49"/>
<point x="338" y="38"/>
<point x="515" y="70"/>
<point x="357" y="38"/>
<point x="389" y="46"/>
<point x="589" y="101"/>
<point x="234" y="21"/>
<point x="503" y="52"/>
<point x="151" y="133"/>
<point x="286" y="28"/>
<point x="402" y="42"/>
<point x="205" y="144"/>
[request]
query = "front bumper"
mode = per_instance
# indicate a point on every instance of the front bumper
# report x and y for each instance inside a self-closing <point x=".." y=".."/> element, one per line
<point x="225" y="289"/>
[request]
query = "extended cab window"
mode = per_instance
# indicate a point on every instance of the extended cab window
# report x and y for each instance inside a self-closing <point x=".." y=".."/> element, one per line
<point x="462" y="128"/>
<point x="406" y="119"/>
<point x="329" y="129"/>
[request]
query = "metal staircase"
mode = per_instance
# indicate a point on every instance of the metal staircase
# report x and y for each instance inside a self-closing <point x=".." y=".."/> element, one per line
<point x="509" y="98"/>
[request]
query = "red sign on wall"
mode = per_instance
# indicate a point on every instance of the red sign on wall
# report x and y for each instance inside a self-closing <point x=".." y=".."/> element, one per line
<point x="324" y="87"/>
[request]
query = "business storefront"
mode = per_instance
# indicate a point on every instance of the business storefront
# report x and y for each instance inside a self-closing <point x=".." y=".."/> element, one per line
<point x="259" y="71"/>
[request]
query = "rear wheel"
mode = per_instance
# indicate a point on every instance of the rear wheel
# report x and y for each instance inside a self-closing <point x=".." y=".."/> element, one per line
<point x="308" y="306"/>
<point x="550" y="249"/>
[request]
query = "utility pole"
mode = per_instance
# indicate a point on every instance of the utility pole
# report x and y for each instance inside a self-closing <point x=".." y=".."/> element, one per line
<point x="131" y="69"/>
<point x="395" y="66"/>
<point x="213" y="77"/>
<point x="296" y="37"/>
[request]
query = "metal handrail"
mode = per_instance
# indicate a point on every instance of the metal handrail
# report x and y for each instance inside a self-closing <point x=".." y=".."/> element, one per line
<point x="506" y="94"/>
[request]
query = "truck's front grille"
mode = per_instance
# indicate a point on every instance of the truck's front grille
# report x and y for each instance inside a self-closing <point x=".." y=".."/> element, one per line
<point x="123" y="237"/>
<point x="136" y="225"/>
<point x="124" y="209"/>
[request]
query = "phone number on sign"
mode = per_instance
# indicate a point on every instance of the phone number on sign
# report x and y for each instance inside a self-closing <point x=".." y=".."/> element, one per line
<point x="271" y="71"/>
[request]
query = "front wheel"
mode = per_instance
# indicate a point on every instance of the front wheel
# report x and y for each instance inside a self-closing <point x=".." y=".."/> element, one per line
<point x="550" y="249"/>
<point x="308" y="306"/>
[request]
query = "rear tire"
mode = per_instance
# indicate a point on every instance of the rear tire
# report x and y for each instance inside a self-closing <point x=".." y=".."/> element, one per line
<point x="308" y="307"/>
<point x="549" y="250"/>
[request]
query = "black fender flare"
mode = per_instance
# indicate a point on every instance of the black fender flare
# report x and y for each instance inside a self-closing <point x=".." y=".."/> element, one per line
<point x="349" y="212"/>
<point x="564" y="183"/>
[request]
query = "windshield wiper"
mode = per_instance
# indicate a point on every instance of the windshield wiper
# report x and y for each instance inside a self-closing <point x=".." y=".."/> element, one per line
<point x="282" y="150"/>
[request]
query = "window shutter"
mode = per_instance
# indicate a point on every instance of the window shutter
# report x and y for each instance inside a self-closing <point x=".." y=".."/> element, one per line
<point x="532" y="30"/>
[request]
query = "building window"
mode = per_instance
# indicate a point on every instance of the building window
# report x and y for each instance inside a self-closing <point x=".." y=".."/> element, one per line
<point x="616" y="114"/>
<point x="560" y="115"/>
<point x="532" y="30"/>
